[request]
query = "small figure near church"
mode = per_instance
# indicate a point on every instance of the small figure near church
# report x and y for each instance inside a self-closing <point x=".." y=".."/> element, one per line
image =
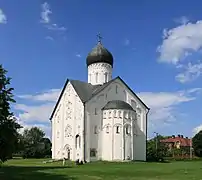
<point x="102" y="119"/>
<point x="63" y="161"/>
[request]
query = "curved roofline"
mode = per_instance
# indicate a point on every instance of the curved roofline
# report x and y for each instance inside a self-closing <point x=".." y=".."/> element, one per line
<point x="118" y="104"/>
<point x="99" y="54"/>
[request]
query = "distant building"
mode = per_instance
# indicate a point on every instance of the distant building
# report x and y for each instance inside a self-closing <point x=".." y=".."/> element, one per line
<point x="178" y="142"/>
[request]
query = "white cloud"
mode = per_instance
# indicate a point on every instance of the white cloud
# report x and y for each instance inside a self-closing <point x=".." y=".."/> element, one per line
<point x="164" y="99"/>
<point x="179" y="41"/>
<point x="126" y="42"/>
<point x="163" y="105"/>
<point x="49" y="38"/>
<point x="182" y="20"/>
<point x="45" y="13"/>
<point x="35" y="113"/>
<point x="178" y="45"/>
<point x="46" y="127"/>
<point x="197" y="129"/>
<point x="45" y="19"/>
<point x="192" y="72"/>
<point x="3" y="19"/>
<point x="55" y="27"/>
<point x="50" y="95"/>
<point x="78" y="55"/>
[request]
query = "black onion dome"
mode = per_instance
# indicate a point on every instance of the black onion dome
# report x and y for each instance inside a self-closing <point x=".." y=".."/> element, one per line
<point x="99" y="54"/>
<point x="117" y="104"/>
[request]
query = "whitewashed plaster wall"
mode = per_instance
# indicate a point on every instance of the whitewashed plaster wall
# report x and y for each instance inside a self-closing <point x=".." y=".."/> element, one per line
<point x="99" y="73"/>
<point x="115" y="91"/>
<point x="140" y="140"/>
<point x="67" y="124"/>
<point x="117" y="135"/>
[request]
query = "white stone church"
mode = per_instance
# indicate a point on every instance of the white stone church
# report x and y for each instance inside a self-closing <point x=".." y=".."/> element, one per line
<point x="102" y="119"/>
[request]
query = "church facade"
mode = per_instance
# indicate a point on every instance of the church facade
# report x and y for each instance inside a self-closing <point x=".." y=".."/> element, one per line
<point x="102" y="119"/>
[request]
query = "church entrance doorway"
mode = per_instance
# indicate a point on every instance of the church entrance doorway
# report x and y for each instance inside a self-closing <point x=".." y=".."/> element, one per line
<point x="67" y="152"/>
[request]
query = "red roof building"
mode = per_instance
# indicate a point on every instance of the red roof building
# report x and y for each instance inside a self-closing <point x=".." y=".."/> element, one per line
<point x="178" y="141"/>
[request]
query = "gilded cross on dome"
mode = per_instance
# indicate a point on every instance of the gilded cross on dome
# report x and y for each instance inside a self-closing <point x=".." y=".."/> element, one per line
<point x="99" y="37"/>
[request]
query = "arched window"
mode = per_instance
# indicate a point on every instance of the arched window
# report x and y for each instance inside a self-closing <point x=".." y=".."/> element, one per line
<point x="128" y="129"/>
<point x="125" y="96"/>
<point x="105" y="77"/>
<point x="116" y="89"/>
<point x="78" y="141"/>
<point x="104" y="115"/>
<point x="58" y="134"/>
<point x="114" y="113"/>
<point x="107" y="129"/>
<point x="110" y="114"/>
<point x="117" y="129"/>
<point x="119" y="115"/>
<point x="133" y="104"/>
<point x="95" y="130"/>
<point x="96" y="77"/>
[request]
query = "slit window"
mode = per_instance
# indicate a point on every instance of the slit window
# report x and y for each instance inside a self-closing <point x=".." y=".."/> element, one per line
<point x="95" y="130"/>
<point x="117" y="129"/>
<point x="105" y="77"/>
<point x="107" y="129"/>
<point x="96" y="77"/>
<point x="116" y="89"/>
<point x="127" y="129"/>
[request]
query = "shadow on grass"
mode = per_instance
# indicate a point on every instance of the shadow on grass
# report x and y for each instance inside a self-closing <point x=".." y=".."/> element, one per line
<point x="163" y="162"/>
<point x="33" y="173"/>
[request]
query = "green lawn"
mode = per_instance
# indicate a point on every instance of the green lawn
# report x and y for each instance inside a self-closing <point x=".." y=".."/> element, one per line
<point x="19" y="169"/>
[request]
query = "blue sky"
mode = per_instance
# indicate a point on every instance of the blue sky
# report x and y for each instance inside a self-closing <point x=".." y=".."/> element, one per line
<point x="156" y="46"/>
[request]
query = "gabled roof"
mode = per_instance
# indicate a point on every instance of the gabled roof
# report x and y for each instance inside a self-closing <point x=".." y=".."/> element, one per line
<point x="133" y="93"/>
<point x="84" y="90"/>
<point x="87" y="91"/>
<point x="183" y="141"/>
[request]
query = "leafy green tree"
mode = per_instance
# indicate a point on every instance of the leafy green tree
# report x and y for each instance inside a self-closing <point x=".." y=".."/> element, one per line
<point x="8" y="124"/>
<point x="156" y="151"/>
<point x="197" y="144"/>
<point x="19" y="146"/>
<point x="33" y="135"/>
<point x="47" y="147"/>
<point x="35" y="143"/>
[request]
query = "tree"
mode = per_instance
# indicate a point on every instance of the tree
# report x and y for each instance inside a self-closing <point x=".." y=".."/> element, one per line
<point x="8" y="124"/>
<point x="33" y="135"/>
<point x="47" y="146"/>
<point x="156" y="153"/>
<point x="35" y="143"/>
<point x="197" y="144"/>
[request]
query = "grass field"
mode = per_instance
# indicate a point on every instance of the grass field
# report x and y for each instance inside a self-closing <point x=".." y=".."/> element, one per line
<point x="19" y="169"/>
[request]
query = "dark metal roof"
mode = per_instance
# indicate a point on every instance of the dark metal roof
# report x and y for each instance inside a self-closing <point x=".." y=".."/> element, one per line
<point x="87" y="91"/>
<point x="117" y="104"/>
<point x="83" y="89"/>
<point x="99" y="54"/>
